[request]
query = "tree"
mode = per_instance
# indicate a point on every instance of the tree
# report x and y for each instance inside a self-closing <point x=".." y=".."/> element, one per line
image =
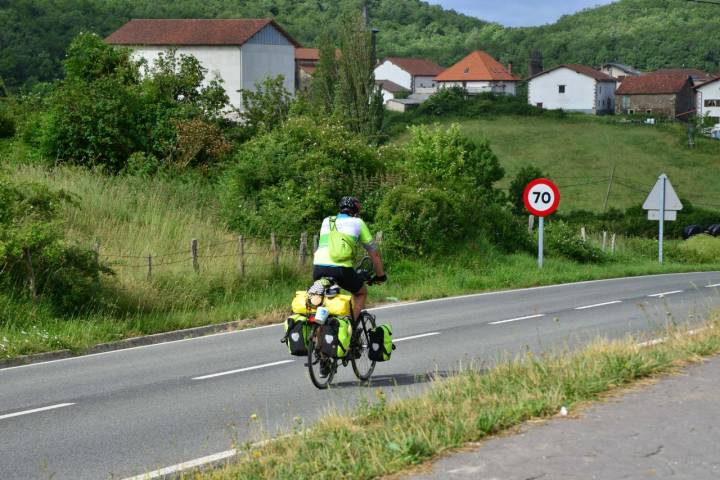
<point x="359" y="102"/>
<point x="266" y="107"/>
<point x="325" y="79"/>
<point x="527" y="174"/>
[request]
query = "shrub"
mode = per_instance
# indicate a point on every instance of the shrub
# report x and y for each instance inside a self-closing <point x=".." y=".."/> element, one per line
<point x="289" y="179"/>
<point x="418" y="220"/>
<point x="34" y="257"/>
<point x="445" y="101"/>
<point x="503" y="229"/>
<point x="563" y="242"/>
<point x="7" y="123"/>
<point x="527" y="174"/>
<point x="698" y="249"/>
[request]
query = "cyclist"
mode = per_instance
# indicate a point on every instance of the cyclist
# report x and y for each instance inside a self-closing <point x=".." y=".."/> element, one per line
<point x="349" y="223"/>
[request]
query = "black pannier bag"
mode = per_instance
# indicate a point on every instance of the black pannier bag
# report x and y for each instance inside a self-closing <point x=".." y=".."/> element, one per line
<point x="297" y="331"/>
<point x="335" y="337"/>
<point x="381" y="345"/>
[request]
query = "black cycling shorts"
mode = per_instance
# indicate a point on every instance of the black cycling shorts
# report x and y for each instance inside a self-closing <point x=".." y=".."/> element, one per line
<point x="346" y="277"/>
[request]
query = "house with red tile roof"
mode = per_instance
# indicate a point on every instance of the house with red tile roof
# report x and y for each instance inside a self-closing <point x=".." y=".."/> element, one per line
<point x="667" y="93"/>
<point x="707" y="95"/>
<point x="573" y="88"/>
<point x="242" y="52"/>
<point x="306" y="62"/>
<point x="413" y="74"/>
<point x="479" y="72"/>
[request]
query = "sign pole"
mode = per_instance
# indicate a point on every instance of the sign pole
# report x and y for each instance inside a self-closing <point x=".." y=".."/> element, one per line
<point x="541" y="232"/>
<point x="663" y="179"/>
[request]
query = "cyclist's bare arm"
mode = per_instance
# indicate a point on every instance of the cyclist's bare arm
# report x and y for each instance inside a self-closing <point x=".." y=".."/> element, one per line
<point x="377" y="262"/>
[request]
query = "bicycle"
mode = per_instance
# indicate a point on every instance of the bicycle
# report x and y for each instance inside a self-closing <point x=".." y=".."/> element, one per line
<point x="357" y="354"/>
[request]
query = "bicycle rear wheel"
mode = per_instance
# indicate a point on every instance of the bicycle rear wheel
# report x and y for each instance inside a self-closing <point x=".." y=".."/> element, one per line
<point x="361" y="363"/>
<point x="317" y="360"/>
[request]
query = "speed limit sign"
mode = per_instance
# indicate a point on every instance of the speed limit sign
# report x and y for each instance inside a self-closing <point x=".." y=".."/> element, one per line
<point x="541" y="197"/>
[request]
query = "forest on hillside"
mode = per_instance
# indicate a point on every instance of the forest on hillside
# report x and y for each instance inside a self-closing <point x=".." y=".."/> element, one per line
<point x="647" y="34"/>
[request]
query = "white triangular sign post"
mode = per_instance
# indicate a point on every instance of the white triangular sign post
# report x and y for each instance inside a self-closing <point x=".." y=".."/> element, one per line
<point x="662" y="204"/>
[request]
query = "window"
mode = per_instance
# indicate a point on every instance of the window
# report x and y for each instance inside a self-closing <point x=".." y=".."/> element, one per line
<point x="539" y="105"/>
<point x="648" y="111"/>
<point x="625" y="101"/>
<point x="631" y="112"/>
<point x="712" y="103"/>
<point x="561" y="88"/>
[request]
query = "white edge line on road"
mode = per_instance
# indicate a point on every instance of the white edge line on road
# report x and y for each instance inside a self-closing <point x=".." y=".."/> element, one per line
<point x="185" y="465"/>
<point x="240" y="370"/>
<point x="382" y="307"/>
<point x="416" y="336"/>
<point x="598" y="305"/>
<point x="665" y="293"/>
<point x="713" y="285"/>
<point x="35" y="410"/>
<point x="518" y="319"/>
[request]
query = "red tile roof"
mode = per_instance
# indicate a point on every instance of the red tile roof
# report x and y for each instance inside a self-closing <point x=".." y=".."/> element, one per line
<point x="478" y="66"/>
<point x="697" y="75"/>
<point x="391" y="87"/>
<point x="416" y="66"/>
<point x="654" y="84"/>
<point x="304" y="54"/>
<point x="192" y="31"/>
<point x="582" y="69"/>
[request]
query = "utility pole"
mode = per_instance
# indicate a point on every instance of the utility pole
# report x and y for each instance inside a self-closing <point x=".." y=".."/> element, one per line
<point x="607" y="195"/>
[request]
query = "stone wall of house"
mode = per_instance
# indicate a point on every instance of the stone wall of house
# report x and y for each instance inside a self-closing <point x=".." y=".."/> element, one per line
<point x="646" y="104"/>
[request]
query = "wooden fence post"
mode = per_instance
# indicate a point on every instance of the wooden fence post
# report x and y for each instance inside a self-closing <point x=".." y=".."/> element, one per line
<point x="194" y="253"/>
<point x="274" y="248"/>
<point x="96" y="248"/>
<point x="612" y="244"/>
<point x="531" y="224"/>
<point x="31" y="275"/>
<point x="379" y="237"/>
<point x="149" y="259"/>
<point x="604" y="241"/>
<point x="241" y="251"/>
<point x="316" y="241"/>
<point x="583" y="234"/>
<point x="303" y="248"/>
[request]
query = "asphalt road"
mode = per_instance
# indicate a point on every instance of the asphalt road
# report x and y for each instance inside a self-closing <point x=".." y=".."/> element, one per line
<point x="123" y="413"/>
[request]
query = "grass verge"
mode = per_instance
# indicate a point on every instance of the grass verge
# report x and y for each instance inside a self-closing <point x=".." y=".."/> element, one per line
<point x="385" y="437"/>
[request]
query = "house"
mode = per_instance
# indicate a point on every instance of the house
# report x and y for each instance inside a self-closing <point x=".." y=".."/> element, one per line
<point x="306" y="60"/>
<point x="573" y="88"/>
<point x="698" y="76"/>
<point x="391" y="90"/>
<point x="477" y="73"/>
<point x="708" y="99"/>
<point x="242" y="52"/>
<point x="619" y="71"/>
<point x="663" y="93"/>
<point x="414" y="74"/>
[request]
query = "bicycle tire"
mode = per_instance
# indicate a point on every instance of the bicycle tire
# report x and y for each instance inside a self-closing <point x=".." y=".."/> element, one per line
<point x="313" y="363"/>
<point x="362" y="366"/>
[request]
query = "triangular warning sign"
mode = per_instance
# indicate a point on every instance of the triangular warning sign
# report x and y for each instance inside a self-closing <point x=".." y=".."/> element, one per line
<point x="654" y="200"/>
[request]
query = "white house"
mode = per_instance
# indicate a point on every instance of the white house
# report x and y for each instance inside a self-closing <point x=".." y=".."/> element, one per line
<point x="708" y="99"/>
<point x="573" y="88"/>
<point x="414" y="74"/>
<point x="391" y="90"/>
<point x="477" y="73"/>
<point x="242" y="52"/>
<point x="619" y="71"/>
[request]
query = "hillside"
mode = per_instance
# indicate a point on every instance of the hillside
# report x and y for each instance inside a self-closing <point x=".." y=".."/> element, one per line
<point x="648" y="34"/>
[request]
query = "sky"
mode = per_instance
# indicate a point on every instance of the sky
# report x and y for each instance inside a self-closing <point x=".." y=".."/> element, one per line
<point x="518" y="13"/>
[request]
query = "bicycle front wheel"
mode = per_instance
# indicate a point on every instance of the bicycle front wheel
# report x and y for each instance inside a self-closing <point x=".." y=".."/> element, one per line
<point x="321" y="368"/>
<point x="361" y="363"/>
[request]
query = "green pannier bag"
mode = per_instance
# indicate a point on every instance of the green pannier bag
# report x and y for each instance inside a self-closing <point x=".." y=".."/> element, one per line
<point x="297" y="334"/>
<point x="341" y="246"/>
<point x="381" y="345"/>
<point x="335" y="337"/>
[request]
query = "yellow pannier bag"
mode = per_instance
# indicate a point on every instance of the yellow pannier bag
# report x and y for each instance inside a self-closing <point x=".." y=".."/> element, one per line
<point x="339" y="305"/>
<point x="299" y="303"/>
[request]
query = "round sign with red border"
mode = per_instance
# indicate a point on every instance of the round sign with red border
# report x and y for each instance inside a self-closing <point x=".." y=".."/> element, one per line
<point x="541" y="197"/>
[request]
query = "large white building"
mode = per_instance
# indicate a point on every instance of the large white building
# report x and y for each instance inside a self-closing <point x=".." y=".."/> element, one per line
<point x="708" y="100"/>
<point x="573" y="88"/>
<point x="242" y="52"/>
<point x="413" y="74"/>
<point x="477" y="73"/>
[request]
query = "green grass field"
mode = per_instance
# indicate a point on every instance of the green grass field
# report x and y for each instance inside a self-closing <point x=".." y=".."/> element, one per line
<point x="580" y="152"/>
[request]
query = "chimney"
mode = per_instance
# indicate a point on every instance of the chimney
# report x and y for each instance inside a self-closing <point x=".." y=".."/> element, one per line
<point x="509" y="68"/>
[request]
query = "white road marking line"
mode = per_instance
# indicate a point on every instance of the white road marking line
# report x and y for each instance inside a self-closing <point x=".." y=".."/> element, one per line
<point x="240" y="370"/>
<point x="185" y="465"/>
<point x="416" y="336"/>
<point x="35" y="410"/>
<point x="713" y="285"/>
<point x="598" y="305"/>
<point x="518" y="319"/>
<point x="660" y="295"/>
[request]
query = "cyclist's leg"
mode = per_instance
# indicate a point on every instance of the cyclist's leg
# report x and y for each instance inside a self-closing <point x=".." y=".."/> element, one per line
<point x="358" y="302"/>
